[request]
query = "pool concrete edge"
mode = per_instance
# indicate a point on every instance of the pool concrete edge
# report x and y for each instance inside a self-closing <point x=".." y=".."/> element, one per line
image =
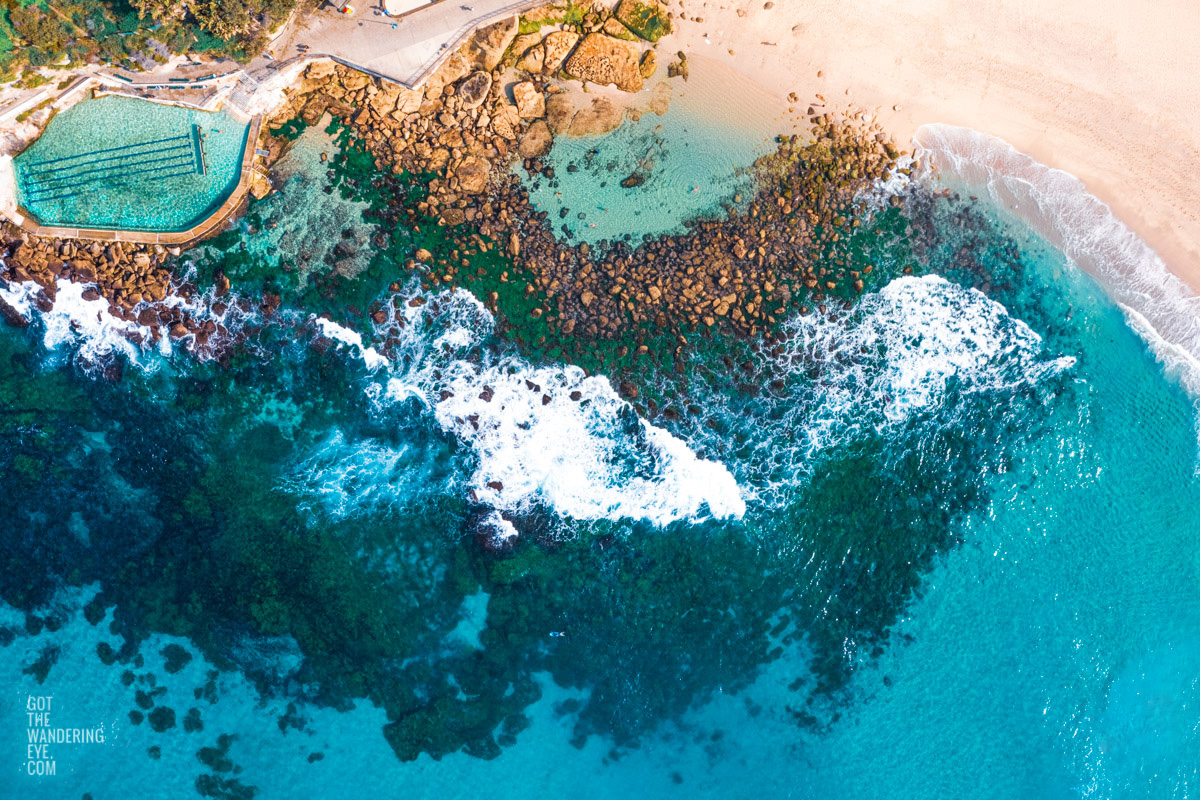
<point x="10" y="210"/>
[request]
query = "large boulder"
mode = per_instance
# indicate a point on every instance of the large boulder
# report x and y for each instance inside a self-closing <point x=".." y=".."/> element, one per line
<point x="560" y="110"/>
<point x="646" y="18"/>
<point x="260" y="186"/>
<point x="506" y="122"/>
<point x="384" y="101"/>
<point x="556" y="47"/>
<point x="452" y="70"/>
<point x="648" y="64"/>
<point x="353" y="80"/>
<point x="537" y="140"/>
<point x="600" y="116"/>
<point x="522" y="43"/>
<point x="487" y="46"/>
<point x="613" y="27"/>
<point x="407" y="101"/>
<point x="317" y="75"/>
<point x="531" y="104"/>
<point x="472" y="175"/>
<point x="474" y="90"/>
<point x="533" y="59"/>
<point x="603" y="59"/>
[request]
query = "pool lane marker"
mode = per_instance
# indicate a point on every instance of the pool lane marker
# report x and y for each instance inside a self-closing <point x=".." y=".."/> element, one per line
<point x="70" y="174"/>
<point x="198" y="145"/>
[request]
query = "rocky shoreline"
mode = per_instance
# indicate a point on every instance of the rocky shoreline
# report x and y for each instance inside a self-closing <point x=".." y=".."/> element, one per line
<point x="502" y="98"/>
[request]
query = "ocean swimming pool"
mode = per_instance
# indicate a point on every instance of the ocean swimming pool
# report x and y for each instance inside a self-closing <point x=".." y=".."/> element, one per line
<point x="129" y="164"/>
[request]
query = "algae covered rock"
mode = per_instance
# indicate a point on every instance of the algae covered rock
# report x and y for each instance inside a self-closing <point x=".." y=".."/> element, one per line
<point x="603" y="59"/>
<point x="646" y="18"/>
<point x="613" y="27"/>
<point x="649" y="64"/>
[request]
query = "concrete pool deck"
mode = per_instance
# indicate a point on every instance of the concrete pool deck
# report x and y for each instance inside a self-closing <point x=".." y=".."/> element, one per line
<point x="30" y="224"/>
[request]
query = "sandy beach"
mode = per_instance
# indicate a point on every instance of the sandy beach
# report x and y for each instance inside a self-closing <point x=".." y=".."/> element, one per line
<point x="1104" y="90"/>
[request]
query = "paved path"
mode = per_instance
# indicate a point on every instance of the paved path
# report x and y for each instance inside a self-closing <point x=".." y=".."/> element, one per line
<point x="402" y="49"/>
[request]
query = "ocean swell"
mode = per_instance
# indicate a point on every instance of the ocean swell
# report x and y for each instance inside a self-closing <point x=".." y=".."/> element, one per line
<point x="914" y="359"/>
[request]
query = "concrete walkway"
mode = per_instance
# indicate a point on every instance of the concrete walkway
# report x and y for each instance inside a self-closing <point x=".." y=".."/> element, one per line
<point x="403" y="49"/>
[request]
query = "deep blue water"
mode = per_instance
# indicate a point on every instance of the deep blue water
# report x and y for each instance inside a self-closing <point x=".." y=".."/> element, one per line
<point x="953" y="553"/>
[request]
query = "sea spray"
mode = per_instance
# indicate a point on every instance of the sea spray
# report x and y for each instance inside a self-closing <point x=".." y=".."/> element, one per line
<point x="76" y="320"/>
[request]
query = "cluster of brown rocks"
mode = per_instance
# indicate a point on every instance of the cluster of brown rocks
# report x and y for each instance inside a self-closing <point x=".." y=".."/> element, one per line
<point x="470" y="116"/>
<point x="788" y="247"/>
<point x="124" y="273"/>
<point x="743" y="270"/>
<point x="133" y="278"/>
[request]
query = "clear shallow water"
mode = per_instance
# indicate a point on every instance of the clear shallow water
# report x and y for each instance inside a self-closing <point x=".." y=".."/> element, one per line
<point x="118" y="162"/>
<point x="691" y="159"/>
<point x="1047" y="648"/>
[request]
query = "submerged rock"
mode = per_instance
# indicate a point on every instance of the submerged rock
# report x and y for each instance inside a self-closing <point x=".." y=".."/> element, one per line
<point x="537" y="140"/>
<point x="12" y="316"/>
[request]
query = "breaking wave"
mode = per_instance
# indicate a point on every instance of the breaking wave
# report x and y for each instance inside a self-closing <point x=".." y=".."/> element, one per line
<point x="918" y="356"/>
<point x="540" y="435"/>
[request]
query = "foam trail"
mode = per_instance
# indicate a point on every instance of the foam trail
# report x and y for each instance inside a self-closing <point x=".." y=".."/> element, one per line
<point x="590" y="457"/>
<point x="370" y="356"/>
<point x="899" y="363"/>
<point x="1160" y="306"/>
<point x="897" y="353"/>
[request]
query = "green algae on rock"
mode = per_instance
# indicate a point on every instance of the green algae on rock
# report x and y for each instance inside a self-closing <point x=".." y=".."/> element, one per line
<point x="646" y="18"/>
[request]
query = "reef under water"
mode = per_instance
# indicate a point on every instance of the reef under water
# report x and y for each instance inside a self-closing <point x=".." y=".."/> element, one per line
<point x="853" y="487"/>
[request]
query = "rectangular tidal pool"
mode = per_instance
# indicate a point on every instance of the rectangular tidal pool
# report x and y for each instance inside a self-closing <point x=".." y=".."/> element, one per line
<point x="128" y="164"/>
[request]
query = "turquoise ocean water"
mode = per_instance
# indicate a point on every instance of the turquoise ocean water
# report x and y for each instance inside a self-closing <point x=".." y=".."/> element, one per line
<point x="953" y="552"/>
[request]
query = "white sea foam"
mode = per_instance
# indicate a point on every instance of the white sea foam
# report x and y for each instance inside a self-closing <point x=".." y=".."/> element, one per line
<point x="76" y="321"/>
<point x="1159" y="306"/>
<point x="898" y="364"/>
<point x="351" y="478"/>
<point x="590" y="457"/>
<point x="897" y="353"/>
<point x="370" y="355"/>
